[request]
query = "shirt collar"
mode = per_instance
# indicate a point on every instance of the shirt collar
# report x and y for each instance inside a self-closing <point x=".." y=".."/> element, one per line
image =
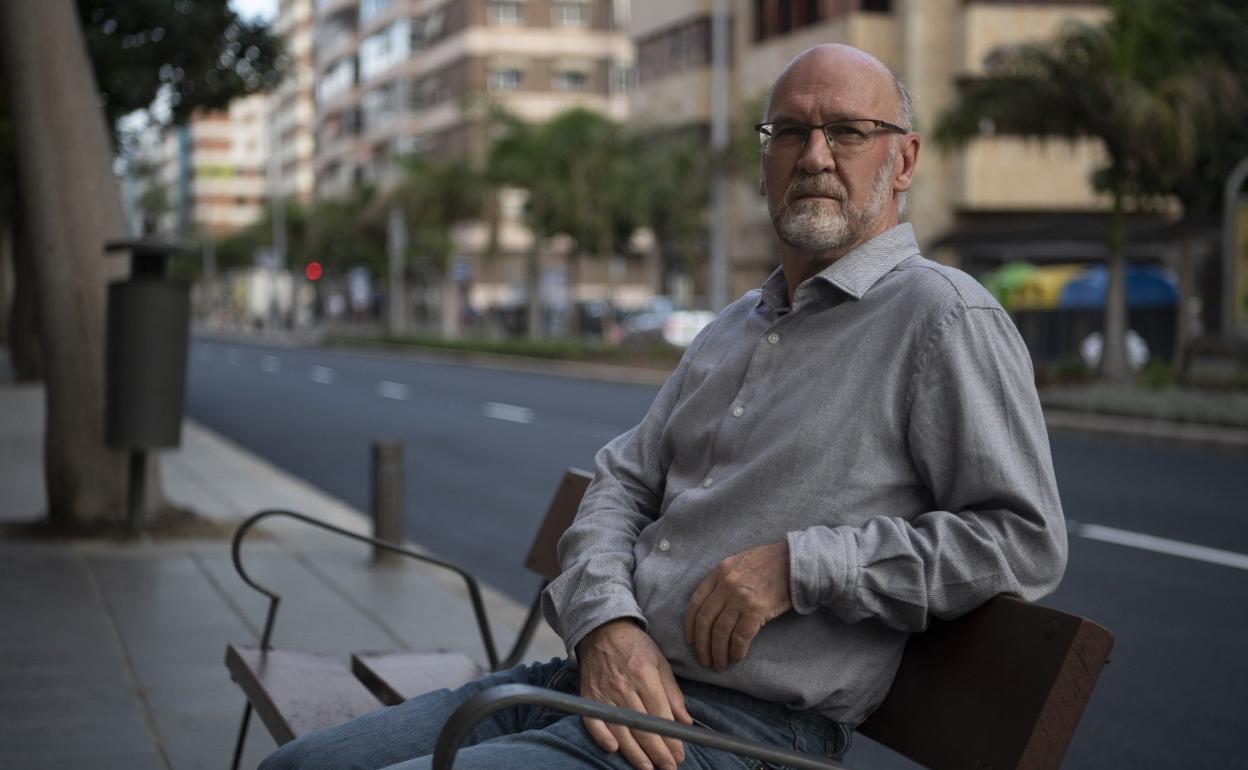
<point x="856" y="272"/>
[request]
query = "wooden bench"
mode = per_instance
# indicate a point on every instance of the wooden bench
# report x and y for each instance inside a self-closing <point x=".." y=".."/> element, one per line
<point x="1001" y="688"/>
<point x="296" y="693"/>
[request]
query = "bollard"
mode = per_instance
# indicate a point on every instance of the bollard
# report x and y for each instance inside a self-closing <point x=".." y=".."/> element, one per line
<point x="387" y="494"/>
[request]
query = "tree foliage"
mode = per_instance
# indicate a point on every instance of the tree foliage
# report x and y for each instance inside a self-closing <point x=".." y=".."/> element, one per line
<point x="199" y="53"/>
<point x="1129" y="83"/>
<point x="435" y="195"/>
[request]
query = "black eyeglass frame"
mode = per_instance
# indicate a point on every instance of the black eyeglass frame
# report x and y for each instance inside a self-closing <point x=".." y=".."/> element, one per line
<point x="764" y="129"/>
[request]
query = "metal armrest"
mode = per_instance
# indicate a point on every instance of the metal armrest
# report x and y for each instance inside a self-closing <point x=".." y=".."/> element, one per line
<point x="474" y="591"/>
<point x="488" y="701"/>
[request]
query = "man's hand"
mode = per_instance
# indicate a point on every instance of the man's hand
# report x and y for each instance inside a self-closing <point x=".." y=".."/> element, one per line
<point x="735" y="601"/>
<point x="621" y="665"/>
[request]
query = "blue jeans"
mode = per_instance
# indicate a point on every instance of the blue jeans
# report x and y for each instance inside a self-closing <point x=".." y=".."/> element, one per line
<point x="402" y="737"/>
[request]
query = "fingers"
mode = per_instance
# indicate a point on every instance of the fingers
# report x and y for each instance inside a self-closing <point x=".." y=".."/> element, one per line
<point x="653" y="748"/>
<point x="703" y="623"/>
<point x="597" y="730"/>
<point x="631" y="750"/>
<point x="695" y="605"/>
<point x="675" y="698"/>
<point x="722" y="630"/>
<point x="742" y="636"/>
<point x="655" y="700"/>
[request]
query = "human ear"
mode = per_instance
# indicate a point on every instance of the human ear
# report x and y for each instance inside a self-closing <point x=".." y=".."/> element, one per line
<point x="909" y="156"/>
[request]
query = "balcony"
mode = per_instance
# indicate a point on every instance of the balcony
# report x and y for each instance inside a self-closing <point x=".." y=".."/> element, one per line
<point x="327" y="9"/>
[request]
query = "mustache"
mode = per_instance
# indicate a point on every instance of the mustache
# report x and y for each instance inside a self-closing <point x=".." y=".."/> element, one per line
<point x="815" y="184"/>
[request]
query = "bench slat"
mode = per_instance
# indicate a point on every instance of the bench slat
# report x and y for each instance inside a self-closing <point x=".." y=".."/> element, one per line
<point x="296" y="693"/>
<point x="396" y="677"/>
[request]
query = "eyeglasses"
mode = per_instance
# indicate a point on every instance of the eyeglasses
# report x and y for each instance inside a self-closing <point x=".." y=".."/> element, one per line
<point x="845" y="137"/>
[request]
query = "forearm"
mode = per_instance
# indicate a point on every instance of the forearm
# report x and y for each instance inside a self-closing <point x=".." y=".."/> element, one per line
<point x="942" y="565"/>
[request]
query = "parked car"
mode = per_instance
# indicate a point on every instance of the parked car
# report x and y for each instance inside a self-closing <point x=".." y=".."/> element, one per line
<point x="670" y="327"/>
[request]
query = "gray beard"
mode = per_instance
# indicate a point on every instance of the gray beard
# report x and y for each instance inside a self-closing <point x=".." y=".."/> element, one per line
<point x="806" y="224"/>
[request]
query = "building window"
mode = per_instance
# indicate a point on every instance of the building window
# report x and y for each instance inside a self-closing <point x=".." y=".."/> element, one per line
<point x="571" y="80"/>
<point x="570" y="13"/>
<point x="506" y="12"/>
<point x="370" y="8"/>
<point x="432" y="26"/>
<point x="623" y="78"/>
<point x="676" y="49"/>
<point x="509" y="79"/>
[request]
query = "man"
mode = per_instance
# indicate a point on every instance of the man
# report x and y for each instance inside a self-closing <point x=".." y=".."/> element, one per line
<point x="842" y="455"/>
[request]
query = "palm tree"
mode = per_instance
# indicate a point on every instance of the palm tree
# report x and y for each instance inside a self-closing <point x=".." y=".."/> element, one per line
<point x="1111" y="83"/>
<point x="432" y="198"/>
<point x="520" y="157"/>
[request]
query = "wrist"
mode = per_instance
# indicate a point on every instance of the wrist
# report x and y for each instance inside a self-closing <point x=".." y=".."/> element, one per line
<point x="608" y="629"/>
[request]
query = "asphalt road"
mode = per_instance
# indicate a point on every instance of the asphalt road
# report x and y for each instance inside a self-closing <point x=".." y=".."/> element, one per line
<point x="484" y="449"/>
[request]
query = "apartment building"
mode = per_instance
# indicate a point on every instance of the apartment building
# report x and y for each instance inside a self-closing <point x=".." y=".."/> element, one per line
<point x="931" y="43"/>
<point x="402" y="77"/>
<point x="292" y="107"/>
<point x="214" y="168"/>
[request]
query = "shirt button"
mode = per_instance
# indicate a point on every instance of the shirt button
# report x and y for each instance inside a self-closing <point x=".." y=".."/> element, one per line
<point x="664" y="545"/>
<point x="740" y="410"/>
<point x="707" y="484"/>
<point x="773" y="338"/>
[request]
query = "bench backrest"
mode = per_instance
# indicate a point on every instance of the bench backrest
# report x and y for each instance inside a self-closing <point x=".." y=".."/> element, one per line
<point x="1001" y="688"/>
<point x="543" y="556"/>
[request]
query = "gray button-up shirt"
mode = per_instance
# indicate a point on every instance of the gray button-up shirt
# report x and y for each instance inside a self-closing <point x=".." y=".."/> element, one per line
<point x="886" y="425"/>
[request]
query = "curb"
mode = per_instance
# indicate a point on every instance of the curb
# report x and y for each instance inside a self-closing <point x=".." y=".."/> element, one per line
<point x="1153" y="430"/>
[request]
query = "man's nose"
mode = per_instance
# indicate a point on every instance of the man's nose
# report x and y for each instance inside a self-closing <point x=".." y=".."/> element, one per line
<point x="816" y="156"/>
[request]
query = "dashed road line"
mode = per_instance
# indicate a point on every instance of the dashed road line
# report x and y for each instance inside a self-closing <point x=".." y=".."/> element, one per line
<point x="232" y="357"/>
<point x="322" y="374"/>
<point x="271" y="364"/>
<point x="396" y="390"/>
<point x="1161" y="545"/>
<point x="508" y="412"/>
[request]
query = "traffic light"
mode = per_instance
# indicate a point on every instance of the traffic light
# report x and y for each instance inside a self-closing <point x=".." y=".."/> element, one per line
<point x="313" y="271"/>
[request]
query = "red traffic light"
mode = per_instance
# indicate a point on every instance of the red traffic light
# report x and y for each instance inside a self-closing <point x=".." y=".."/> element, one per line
<point x="312" y="271"/>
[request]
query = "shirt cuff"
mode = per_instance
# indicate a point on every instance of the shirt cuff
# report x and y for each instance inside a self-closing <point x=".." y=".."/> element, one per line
<point x="823" y="569"/>
<point x="593" y="611"/>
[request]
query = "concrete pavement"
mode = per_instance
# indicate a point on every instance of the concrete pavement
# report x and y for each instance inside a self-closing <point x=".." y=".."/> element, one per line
<point x="112" y="651"/>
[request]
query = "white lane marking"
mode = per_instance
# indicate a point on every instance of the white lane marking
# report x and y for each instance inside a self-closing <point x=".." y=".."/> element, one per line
<point x="396" y="390"/>
<point x="1162" y="545"/>
<point x="232" y="357"/>
<point x="270" y="364"/>
<point x="323" y="375"/>
<point x="508" y="412"/>
<point x="203" y="354"/>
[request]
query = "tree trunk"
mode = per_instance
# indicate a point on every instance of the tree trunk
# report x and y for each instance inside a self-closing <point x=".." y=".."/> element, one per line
<point x="1114" y="366"/>
<point x="396" y="257"/>
<point x="1187" y="290"/>
<point x="72" y="206"/>
<point x="23" y="331"/>
<point x="605" y="247"/>
<point x="533" y="298"/>
<point x="450" y="303"/>
<point x="6" y="271"/>
<point x="574" y="285"/>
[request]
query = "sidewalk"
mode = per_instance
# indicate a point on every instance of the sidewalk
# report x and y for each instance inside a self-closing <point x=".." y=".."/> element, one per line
<point x="112" y="654"/>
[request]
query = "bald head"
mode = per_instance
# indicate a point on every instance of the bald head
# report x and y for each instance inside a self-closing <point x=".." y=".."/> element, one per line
<point x="851" y="67"/>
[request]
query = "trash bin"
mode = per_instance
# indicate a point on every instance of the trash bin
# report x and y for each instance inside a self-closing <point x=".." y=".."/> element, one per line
<point x="149" y="318"/>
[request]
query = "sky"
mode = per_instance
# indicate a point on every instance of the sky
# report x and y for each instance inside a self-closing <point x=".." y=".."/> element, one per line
<point x="249" y="9"/>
